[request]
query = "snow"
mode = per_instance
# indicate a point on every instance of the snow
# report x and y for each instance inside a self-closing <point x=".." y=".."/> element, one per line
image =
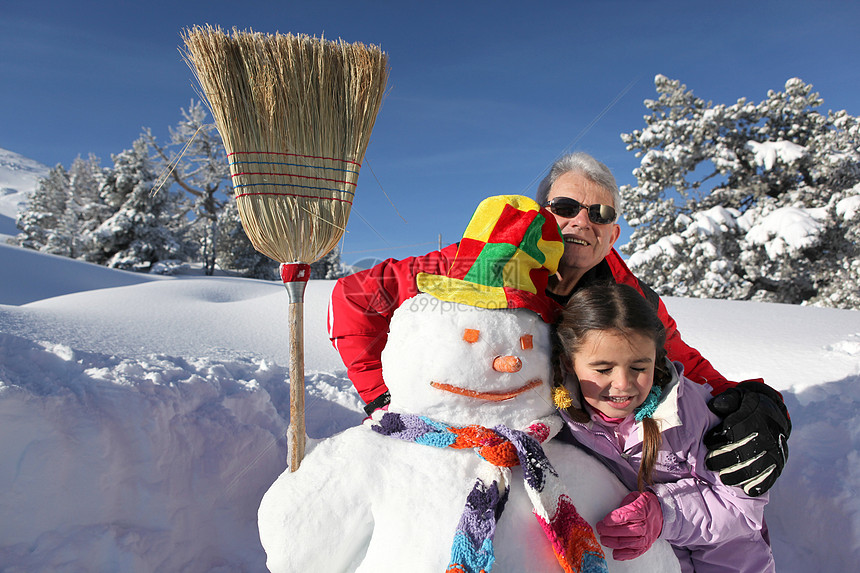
<point x="140" y="425"/>
<point x="766" y="153"/>
<point x="713" y="221"/>
<point x="848" y="207"/>
<point x="143" y="419"/>
<point x="663" y="245"/>
<point x="18" y="177"/>
<point x="787" y="230"/>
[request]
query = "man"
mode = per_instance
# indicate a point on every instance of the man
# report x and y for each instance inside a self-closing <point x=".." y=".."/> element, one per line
<point x="748" y="448"/>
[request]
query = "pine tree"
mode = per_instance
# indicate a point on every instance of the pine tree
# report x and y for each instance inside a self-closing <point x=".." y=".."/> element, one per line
<point x="746" y="201"/>
<point x="197" y="163"/>
<point x="329" y="267"/>
<point x="40" y="222"/>
<point x="145" y="226"/>
<point x="64" y="209"/>
<point x="84" y="208"/>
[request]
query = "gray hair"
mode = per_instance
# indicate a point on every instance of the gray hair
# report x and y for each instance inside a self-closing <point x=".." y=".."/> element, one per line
<point x="580" y="162"/>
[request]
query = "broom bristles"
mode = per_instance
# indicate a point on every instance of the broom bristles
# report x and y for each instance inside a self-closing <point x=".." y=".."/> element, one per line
<point x="295" y="114"/>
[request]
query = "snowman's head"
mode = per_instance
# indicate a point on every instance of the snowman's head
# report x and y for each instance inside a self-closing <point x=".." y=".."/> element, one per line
<point x="463" y="365"/>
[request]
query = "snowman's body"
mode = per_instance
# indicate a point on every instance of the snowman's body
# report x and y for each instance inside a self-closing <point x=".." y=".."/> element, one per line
<point x="362" y="501"/>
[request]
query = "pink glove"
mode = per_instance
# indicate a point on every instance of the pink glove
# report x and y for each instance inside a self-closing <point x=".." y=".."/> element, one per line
<point x="632" y="528"/>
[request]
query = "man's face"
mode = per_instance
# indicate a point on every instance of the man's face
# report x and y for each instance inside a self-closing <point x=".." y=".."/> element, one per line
<point x="585" y="243"/>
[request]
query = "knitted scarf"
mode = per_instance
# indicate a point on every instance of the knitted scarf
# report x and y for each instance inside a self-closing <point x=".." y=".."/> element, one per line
<point x="572" y="538"/>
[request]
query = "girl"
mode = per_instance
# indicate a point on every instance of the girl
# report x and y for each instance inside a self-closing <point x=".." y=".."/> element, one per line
<point x="624" y="401"/>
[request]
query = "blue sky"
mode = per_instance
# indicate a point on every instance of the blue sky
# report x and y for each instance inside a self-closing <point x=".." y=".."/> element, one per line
<point x="482" y="95"/>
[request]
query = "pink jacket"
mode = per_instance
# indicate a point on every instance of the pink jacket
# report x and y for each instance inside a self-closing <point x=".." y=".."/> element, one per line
<point x="712" y="527"/>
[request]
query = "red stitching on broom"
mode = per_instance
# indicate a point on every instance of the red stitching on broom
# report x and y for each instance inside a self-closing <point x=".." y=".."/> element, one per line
<point x="299" y="176"/>
<point x="302" y="165"/>
<point x="293" y="155"/>
<point x="294" y="195"/>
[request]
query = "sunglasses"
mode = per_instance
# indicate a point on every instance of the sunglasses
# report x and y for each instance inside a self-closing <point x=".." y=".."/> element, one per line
<point x="569" y="208"/>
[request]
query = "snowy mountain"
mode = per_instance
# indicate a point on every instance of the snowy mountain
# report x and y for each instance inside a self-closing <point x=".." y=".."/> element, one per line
<point x="18" y="178"/>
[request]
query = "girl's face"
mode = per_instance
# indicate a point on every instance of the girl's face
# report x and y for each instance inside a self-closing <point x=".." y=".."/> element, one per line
<point x="615" y="371"/>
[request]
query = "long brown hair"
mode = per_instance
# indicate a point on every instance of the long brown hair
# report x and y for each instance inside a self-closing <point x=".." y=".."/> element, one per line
<point x="618" y="307"/>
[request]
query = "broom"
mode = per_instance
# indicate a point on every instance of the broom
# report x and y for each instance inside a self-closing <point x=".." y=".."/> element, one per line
<point x="295" y="114"/>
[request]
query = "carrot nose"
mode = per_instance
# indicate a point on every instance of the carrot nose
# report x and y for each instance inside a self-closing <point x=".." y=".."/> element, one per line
<point x="507" y="364"/>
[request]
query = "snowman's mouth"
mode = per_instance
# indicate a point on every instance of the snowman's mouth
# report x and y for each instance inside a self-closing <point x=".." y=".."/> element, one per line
<point x="491" y="396"/>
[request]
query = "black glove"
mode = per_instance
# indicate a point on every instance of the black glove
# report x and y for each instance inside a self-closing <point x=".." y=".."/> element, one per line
<point x="749" y="446"/>
<point x="380" y="402"/>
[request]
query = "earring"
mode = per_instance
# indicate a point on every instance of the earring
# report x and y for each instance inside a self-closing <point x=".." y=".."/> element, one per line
<point x="561" y="398"/>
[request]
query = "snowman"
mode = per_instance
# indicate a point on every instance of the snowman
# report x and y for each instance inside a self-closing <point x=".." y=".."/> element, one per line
<point x="461" y="473"/>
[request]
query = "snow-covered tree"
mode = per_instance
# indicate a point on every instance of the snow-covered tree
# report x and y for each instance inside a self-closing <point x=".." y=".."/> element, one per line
<point x="196" y="161"/>
<point x="63" y="208"/>
<point x="145" y="227"/>
<point x="329" y="267"/>
<point x="85" y="210"/>
<point x="746" y="201"/>
<point x="40" y="222"/>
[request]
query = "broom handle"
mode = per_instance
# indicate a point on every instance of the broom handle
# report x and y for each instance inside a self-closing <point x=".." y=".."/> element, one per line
<point x="295" y="277"/>
<point x="297" y="385"/>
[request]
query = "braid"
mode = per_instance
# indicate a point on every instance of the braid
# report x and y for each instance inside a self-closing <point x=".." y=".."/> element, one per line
<point x="651" y="437"/>
<point x="650" y="446"/>
<point x="557" y="357"/>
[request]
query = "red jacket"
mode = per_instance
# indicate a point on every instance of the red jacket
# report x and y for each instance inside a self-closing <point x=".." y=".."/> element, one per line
<point x="361" y="306"/>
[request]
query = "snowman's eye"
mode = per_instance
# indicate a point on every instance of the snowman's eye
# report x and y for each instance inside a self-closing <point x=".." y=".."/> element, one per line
<point x="471" y="335"/>
<point x="526" y="342"/>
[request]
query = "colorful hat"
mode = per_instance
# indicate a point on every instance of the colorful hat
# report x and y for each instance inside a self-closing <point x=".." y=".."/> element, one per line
<point x="509" y="250"/>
